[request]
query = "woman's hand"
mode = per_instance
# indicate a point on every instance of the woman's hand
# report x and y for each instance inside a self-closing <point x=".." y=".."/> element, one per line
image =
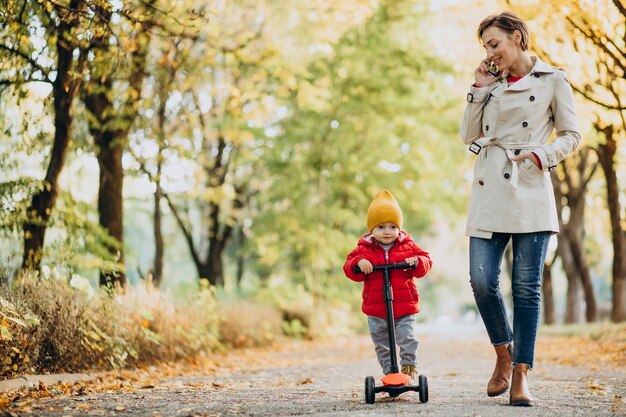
<point x="526" y="155"/>
<point x="482" y="76"/>
<point x="366" y="266"/>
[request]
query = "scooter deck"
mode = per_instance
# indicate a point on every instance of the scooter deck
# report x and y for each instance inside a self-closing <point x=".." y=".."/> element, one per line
<point x="395" y="390"/>
<point x="396" y="379"/>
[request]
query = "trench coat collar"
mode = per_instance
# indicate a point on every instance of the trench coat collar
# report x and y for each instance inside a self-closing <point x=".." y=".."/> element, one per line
<point x="525" y="82"/>
<point x="540" y="67"/>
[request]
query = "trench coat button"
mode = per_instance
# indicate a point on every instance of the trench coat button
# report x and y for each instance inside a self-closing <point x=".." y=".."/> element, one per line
<point x="487" y="128"/>
<point x="525" y="124"/>
<point x="481" y="182"/>
<point x="506" y="175"/>
<point x="517" y="152"/>
<point x="532" y="98"/>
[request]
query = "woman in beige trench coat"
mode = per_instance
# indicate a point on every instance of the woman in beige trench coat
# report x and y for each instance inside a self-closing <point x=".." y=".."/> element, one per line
<point x="508" y="121"/>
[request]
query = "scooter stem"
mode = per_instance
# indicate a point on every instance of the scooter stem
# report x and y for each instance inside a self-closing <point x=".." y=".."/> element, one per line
<point x="391" y="328"/>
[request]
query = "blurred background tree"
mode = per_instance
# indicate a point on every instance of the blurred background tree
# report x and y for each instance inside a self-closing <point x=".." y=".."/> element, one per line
<point x="591" y="45"/>
<point x="239" y="143"/>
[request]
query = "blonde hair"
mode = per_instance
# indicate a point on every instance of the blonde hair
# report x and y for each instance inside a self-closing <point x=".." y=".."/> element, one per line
<point x="509" y="22"/>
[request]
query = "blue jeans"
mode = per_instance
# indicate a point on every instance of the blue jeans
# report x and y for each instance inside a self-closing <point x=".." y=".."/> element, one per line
<point x="529" y="254"/>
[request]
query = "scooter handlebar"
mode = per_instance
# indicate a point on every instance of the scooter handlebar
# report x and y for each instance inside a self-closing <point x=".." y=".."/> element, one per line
<point x="396" y="265"/>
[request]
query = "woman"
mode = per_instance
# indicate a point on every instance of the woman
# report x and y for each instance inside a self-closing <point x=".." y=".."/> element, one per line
<point x="508" y="120"/>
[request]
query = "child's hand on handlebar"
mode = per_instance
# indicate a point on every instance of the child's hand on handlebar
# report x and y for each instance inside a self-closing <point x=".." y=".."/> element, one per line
<point x="366" y="266"/>
<point x="412" y="261"/>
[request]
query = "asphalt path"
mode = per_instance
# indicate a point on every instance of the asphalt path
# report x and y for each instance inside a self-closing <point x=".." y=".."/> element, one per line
<point x="327" y="378"/>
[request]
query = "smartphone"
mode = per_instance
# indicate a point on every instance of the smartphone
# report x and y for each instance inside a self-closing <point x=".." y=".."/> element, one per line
<point x="493" y="70"/>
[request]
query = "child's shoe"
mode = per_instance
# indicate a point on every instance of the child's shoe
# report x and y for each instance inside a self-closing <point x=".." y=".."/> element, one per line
<point x="410" y="371"/>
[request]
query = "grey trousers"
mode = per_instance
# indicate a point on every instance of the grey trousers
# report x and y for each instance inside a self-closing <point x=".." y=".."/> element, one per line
<point x="405" y="339"/>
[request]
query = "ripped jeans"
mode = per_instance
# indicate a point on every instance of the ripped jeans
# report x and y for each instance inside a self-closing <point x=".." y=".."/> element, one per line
<point x="529" y="254"/>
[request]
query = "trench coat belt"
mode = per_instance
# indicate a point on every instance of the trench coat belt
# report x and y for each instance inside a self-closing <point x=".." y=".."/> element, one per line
<point x="509" y="148"/>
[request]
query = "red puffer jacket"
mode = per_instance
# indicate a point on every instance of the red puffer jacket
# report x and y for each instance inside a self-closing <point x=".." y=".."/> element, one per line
<point x="405" y="293"/>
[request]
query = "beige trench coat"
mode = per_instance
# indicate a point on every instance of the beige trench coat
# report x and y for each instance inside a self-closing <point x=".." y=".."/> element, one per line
<point x="500" y="121"/>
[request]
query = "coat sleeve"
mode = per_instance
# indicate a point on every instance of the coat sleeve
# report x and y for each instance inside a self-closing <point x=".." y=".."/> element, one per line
<point x="353" y="258"/>
<point x="565" y="123"/>
<point x="425" y="263"/>
<point x="472" y="123"/>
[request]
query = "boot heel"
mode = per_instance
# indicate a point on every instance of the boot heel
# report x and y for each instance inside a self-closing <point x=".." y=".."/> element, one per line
<point x="520" y="394"/>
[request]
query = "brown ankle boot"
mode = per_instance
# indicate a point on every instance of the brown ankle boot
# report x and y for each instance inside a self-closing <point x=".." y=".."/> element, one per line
<point x="501" y="378"/>
<point x="520" y="394"/>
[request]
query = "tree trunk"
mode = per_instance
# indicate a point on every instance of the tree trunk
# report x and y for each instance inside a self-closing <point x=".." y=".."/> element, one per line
<point x="109" y="145"/>
<point x="572" y="187"/>
<point x="215" y="267"/>
<point x="564" y="252"/>
<point x="157" y="272"/>
<point x="607" y="152"/>
<point x="572" y="306"/>
<point x="591" y="306"/>
<point x="110" y="126"/>
<point x="549" y="313"/>
<point x="64" y="90"/>
<point x="241" y="237"/>
<point x="110" y="202"/>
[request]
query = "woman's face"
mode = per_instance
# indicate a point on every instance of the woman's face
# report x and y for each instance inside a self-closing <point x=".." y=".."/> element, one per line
<point x="502" y="48"/>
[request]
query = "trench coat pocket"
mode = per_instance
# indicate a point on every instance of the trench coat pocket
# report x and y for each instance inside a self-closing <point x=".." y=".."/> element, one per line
<point x="530" y="175"/>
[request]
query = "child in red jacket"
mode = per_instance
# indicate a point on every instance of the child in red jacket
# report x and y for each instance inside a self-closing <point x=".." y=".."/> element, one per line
<point x="388" y="243"/>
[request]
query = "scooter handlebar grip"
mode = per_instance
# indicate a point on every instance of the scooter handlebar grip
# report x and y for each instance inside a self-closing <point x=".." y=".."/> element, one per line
<point x="403" y="265"/>
<point x="397" y="265"/>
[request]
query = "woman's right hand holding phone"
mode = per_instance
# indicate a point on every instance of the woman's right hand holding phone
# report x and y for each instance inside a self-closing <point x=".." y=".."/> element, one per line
<point x="482" y="76"/>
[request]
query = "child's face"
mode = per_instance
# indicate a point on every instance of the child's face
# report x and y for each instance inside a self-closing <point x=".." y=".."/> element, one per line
<point x="386" y="233"/>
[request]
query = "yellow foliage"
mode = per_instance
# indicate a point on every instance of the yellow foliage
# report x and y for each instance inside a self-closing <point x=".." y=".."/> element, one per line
<point x="592" y="345"/>
<point x="313" y="97"/>
<point x="136" y="326"/>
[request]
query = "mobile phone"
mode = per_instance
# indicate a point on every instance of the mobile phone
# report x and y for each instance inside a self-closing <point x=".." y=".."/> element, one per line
<point x="493" y="69"/>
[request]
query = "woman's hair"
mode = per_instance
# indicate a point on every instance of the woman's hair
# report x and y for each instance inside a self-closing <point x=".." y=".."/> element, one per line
<point x="509" y="22"/>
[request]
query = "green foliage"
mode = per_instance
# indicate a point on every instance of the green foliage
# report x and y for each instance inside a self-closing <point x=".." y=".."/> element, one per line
<point x="305" y="315"/>
<point x="75" y="240"/>
<point x="294" y="328"/>
<point x="372" y="113"/>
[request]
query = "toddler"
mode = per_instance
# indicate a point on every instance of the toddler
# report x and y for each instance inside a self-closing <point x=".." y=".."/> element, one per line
<point x="388" y="243"/>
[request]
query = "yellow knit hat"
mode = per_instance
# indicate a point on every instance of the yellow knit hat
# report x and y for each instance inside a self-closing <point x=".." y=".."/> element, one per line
<point x="384" y="208"/>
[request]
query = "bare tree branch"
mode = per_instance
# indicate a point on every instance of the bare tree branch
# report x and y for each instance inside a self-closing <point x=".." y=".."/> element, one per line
<point x="184" y="228"/>
<point x="599" y="43"/>
<point x="620" y="7"/>
<point x="29" y="60"/>
<point x="596" y="101"/>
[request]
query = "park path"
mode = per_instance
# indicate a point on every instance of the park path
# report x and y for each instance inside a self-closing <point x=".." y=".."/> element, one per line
<point x="326" y="378"/>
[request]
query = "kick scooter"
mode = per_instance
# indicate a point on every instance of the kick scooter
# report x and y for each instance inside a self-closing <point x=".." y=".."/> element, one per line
<point x="394" y="383"/>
